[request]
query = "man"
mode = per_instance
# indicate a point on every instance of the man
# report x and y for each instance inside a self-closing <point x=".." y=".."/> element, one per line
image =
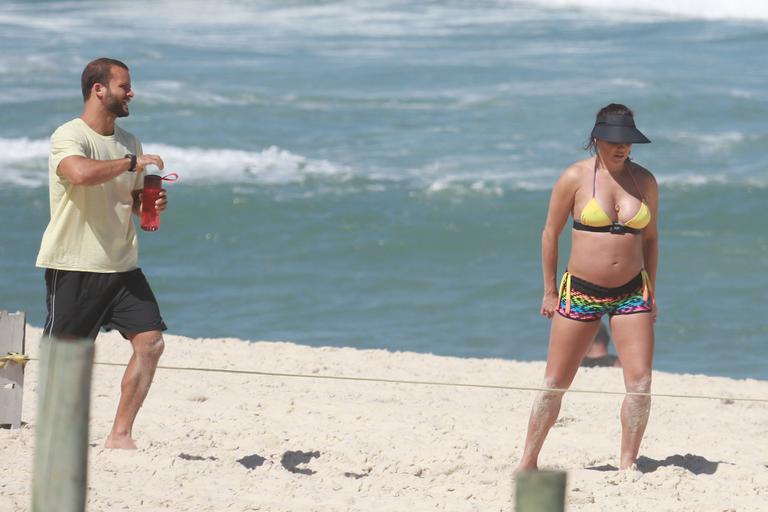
<point x="90" y="249"/>
<point x="598" y="355"/>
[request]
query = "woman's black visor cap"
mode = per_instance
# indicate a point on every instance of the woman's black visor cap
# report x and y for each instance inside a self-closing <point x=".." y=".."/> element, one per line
<point x="618" y="128"/>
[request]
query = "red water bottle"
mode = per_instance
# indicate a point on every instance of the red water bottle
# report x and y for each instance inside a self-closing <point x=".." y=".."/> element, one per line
<point x="150" y="219"/>
<point x="153" y="184"/>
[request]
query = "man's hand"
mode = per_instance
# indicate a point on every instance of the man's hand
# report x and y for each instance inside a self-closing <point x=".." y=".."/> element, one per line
<point x="161" y="204"/>
<point x="162" y="201"/>
<point x="144" y="160"/>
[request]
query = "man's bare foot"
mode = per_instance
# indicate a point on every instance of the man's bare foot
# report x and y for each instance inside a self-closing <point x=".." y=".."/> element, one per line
<point x="525" y="467"/>
<point x="119" y="443"/>
<point x="628" y="462"/>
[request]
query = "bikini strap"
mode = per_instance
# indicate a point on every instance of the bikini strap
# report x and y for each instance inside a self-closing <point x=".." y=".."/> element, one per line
<point x="639" y="190"/>
<point x="594" y="174"/>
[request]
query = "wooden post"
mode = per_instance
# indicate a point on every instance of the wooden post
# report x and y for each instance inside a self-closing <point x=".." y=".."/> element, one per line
<point x="540" y="491"/>
<point x="59" y="481"/>
<point x="12" y="328"/>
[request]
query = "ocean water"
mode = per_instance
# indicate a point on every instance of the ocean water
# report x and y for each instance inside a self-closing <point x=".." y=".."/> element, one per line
<point x="376" y="173"/>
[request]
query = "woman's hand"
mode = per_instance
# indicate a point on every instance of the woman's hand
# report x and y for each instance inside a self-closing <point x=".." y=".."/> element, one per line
<point x="549" y="304"/>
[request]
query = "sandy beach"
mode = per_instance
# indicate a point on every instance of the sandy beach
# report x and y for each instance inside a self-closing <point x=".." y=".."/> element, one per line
<point x="217" y="441"/>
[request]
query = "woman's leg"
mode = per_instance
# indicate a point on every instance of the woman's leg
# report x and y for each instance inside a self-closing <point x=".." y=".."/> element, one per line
<point x="569" y="340"/>
<point x="633" y="336"/>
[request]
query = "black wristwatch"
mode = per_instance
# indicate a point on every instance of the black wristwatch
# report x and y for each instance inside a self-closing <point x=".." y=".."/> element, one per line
<point x="132" y="168"/>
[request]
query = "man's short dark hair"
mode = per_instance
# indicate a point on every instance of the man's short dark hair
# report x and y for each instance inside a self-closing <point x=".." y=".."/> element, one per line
<point x="98" y="72"/>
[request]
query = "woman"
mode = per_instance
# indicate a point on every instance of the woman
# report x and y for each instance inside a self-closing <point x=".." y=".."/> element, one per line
<point x="611" y="269"/>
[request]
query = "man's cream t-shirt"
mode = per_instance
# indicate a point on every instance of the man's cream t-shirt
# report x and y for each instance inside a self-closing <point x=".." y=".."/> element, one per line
<point x="91" y="228"/>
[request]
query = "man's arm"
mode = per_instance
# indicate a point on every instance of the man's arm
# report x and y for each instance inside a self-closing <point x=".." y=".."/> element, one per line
<point x="136" y="208"/>
<point x="83" y="171"/>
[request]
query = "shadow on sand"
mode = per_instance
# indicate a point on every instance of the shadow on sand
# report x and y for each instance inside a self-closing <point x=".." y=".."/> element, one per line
<point x="291" y="461"/>
<point x="696" y="464"/>
<point x="252" y="461"/>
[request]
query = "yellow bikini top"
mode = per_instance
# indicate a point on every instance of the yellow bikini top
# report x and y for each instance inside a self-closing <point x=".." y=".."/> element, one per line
<point x="594" y="218"/>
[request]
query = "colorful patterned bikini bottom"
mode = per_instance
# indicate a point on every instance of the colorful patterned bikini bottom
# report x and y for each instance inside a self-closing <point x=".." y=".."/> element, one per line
<point x="584" y="301"/>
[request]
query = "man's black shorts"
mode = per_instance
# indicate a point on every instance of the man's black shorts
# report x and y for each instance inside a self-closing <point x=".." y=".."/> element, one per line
<point x="80" y="303"/>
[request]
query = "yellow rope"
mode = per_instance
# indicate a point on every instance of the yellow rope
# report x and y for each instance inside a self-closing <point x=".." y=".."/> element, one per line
<point x="439" y="383"/>
<point x="13" y="357"/>
<point x="565" y="283"/>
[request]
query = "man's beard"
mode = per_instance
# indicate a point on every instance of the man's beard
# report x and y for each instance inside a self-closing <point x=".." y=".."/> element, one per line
<point x="114" y="106"/>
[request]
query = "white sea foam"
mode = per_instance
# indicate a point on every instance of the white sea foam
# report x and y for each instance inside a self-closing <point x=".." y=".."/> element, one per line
<point x="231" y="23"/>
<point x="22" y="150"/>
<point x="457" y="187"/>
<point x="467" y="179"/>
<point x="629" y="82"/>
<point x="271" y="166"/>
<point x="742" y="94"/>
<point x="23" y="163"/>
<point x="712" y="143"/>
<point x="692" y="180"/>
<point x="385" y="18"/>
<point x="48" y="24"/>
<point x="700" y="9"/>
<point x="388" y="23"/>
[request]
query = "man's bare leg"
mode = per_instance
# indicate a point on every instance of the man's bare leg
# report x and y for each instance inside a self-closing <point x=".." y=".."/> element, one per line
<point x="147" y="349"/>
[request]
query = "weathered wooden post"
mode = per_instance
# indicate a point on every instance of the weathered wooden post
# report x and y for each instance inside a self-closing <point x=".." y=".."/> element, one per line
<point x="59" y="481"/>
<point x="12" y="359"/>
<point x="540" y="491"/>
